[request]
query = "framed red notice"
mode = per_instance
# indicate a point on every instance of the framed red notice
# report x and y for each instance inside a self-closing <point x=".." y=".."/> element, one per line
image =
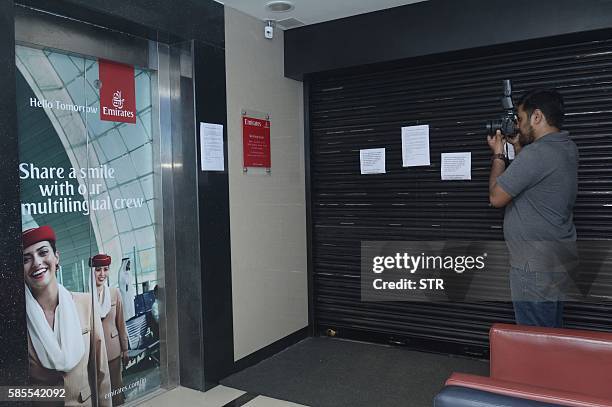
<point x="256" y="142"/>
<point x="118" y="93"/>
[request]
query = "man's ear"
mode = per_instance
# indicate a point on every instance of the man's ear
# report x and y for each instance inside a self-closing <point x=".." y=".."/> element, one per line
<point x="537" y="117"/>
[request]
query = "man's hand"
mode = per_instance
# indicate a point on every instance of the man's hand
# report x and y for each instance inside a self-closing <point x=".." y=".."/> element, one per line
<point x="497" y="196"/>
<point x="514" y="140"/>
<point x="496" y="143"/>
<point x="125" y="358"/>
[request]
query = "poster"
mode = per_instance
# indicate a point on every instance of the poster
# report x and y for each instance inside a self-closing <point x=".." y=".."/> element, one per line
<point x="88" y="212"/>
<point x="256" y="142"/>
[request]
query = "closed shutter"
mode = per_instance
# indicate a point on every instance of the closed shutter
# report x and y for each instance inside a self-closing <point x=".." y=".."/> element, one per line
<point x="366" y="108"/>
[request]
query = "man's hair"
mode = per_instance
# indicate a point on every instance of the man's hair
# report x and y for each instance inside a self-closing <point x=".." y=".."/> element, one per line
<point x="549" y="101"/>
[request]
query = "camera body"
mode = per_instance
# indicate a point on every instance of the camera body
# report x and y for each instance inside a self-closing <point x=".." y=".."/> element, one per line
<point x="507" y="122"/>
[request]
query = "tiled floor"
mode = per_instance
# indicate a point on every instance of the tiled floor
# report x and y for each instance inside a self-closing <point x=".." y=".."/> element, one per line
<point x="220" y="396"/>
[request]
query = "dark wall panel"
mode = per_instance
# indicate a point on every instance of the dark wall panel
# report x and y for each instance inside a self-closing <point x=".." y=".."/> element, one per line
<point x="433" y="27"/>
<point x="13" y="352"/>
<point x="213" y="195"/>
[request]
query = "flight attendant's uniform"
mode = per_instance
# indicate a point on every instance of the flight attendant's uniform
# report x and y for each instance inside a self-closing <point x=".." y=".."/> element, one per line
<point x="76" y="382"/>
<point x="72" y="353"/>
<point x="115" y="331"/>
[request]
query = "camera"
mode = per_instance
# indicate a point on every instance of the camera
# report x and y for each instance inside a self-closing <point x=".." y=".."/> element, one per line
<point x="269" y="30"/>
<point x="507" y="123"/>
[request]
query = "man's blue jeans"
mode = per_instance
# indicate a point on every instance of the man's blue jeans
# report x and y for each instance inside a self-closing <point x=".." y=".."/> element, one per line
<point x="537" y="296"/>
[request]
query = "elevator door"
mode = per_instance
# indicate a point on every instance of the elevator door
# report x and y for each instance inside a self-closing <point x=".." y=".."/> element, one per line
<point x="88" y="103"/>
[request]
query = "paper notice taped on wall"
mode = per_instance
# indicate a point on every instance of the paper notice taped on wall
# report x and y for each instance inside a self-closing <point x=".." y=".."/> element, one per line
<point x="456" y="166"/>
<point x="372" y="161"/>
<point x="211" y="146"/>
<point x="415" y="146"/>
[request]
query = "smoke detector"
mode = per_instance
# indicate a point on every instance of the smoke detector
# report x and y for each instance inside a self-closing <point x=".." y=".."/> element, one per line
<point x="279" y="6"/>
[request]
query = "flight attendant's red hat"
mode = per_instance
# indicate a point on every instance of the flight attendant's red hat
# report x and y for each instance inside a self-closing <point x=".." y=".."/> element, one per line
<point x="35" y="235"/>
<point x="100" y="260"/>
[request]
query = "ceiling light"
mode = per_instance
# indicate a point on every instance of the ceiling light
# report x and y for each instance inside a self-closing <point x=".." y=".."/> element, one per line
<point x="279" y="6"/>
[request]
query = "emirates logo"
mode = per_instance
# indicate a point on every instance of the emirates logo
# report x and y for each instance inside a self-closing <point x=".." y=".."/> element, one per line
<point x="118" y="100"/>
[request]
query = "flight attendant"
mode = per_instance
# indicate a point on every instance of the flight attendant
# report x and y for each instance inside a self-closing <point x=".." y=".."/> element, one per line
<point x="65" y="341"/>
<point x="115" y="333"/>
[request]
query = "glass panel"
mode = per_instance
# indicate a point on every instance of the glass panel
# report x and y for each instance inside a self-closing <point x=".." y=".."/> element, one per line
<point x="87" y="194"/>
<point x="125" y="229"/>
<point x="51" y="136"/>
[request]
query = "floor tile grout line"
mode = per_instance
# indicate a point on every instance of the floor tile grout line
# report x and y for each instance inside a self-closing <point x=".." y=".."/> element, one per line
<point x="242" y="400"/>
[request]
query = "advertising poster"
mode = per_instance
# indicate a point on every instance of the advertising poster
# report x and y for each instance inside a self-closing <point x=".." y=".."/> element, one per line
<point x="88" y="209"/>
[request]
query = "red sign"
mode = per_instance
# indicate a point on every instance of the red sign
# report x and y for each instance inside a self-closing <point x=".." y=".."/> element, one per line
<point x="118" y="94"/>
<point x="256" y="142"/>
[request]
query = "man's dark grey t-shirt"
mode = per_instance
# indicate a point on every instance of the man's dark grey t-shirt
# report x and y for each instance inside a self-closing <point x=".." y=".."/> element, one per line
<point x="543" y="182"/>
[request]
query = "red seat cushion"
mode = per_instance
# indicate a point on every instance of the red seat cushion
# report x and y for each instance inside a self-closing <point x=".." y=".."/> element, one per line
<point x="552" y="358"/>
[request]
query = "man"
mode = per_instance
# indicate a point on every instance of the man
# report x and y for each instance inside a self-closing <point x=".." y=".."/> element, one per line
<point x="115" y="333"/>
<point x="127" y="289"/>
<point x="65" y="339"/>
<point x="539" y="192"/>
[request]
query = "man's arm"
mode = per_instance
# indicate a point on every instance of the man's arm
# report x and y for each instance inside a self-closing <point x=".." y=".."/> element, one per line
<point x="497" y="196"/>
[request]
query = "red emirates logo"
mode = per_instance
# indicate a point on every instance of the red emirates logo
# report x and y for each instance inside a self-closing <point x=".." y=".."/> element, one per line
<point x="118" y="92"/>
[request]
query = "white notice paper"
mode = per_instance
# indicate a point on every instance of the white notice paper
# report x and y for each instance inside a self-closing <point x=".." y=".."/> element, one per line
<point x="372" y="161"/>
<point x="511" y="152"/>
<point x="456" y="166"/>
<point x="415" y="146"/>
<point x="211" y="147"/>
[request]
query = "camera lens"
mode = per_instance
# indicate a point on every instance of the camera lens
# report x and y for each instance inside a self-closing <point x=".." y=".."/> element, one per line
<point x="492" y="126"/>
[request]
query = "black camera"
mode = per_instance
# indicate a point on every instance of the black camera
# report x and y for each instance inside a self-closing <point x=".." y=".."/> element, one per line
<point x="507" y="123"/>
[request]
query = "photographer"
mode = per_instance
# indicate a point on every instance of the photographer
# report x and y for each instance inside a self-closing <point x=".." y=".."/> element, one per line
<point x="538" y="192"/>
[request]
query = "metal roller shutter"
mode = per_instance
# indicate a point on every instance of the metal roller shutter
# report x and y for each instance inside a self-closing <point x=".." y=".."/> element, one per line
<point x="365" y="108"/>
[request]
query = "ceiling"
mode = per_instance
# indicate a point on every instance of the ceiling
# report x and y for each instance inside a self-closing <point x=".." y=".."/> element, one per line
<point x="313" y="11"/>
